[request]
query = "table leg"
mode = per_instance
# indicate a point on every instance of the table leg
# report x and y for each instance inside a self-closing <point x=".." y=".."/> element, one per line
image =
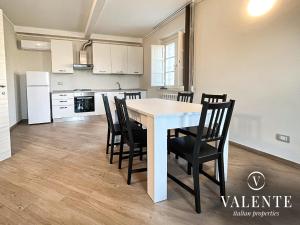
<point x="156" y="159"/>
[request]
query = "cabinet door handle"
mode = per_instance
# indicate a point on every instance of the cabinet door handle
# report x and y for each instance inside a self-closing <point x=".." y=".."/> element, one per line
<point x="63" y="101"/>
<point x="136" y="72"/>
<point x="61" y="70"/>
<point x="62" y="95"/>
<point x="2" y="86"/>
<point x="102" y="71"/>
<point x="63" y="107"/>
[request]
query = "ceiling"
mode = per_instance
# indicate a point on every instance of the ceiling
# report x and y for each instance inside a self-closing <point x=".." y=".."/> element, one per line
<point x="68" y="15"/>
<point x="133" y="18"/>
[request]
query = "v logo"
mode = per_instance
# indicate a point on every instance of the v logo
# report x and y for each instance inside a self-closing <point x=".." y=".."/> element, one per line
<point x="256" y="180"/>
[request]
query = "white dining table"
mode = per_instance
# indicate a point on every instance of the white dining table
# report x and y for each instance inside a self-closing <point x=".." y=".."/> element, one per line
<point x="159" y="115"/>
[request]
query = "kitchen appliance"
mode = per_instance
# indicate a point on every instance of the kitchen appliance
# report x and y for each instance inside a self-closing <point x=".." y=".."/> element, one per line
<point x="34" y="45"/>
<point x="83" y="58"/>
<point x="84" y="102"/>
<point x="38" y="97"/>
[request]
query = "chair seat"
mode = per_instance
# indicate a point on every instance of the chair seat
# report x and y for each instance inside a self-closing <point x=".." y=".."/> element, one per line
<point x="184" y="146"/>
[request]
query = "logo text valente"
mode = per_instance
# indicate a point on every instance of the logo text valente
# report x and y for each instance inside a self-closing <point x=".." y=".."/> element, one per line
<point x="256" y="181"/>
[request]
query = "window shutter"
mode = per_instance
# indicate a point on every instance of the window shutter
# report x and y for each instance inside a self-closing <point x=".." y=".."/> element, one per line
<point x="157" y="65"/>
<point x="180" y="57"/>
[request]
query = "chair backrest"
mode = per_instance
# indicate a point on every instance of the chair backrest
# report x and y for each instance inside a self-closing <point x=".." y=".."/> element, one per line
<point x="185" y="97"/>
<point x="218" y="116"/>
<point x="213" y="98"/>
<point x="125" y="124"/>
<point x="132" y="95"/>
<point x="108" y="112"/>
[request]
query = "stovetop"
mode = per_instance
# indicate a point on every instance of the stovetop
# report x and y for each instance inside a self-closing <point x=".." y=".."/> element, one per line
<point x="82" y="90"/>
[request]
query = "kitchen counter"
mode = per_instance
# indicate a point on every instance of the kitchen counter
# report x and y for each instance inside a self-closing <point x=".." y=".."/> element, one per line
<point x="98" y="90"/>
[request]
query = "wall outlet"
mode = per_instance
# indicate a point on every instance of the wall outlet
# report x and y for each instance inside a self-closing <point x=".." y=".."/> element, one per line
<point x="283" y="138"/>
<point x="60" y="83"/>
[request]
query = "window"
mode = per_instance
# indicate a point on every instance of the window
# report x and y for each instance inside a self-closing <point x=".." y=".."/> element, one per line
<point x="170" y="62"/>
<point x="163" y="64"/>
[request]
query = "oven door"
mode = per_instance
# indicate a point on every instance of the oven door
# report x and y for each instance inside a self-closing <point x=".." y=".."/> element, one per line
<point x="84" y="104"/>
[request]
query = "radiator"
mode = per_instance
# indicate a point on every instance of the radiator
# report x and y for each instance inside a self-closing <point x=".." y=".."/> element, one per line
<point x="169" y="96"/>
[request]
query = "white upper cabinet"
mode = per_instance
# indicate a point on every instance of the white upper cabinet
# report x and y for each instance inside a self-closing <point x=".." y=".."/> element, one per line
<point x="135" y="60"/>
<point x="119" y="59"/>
<point x="62" y="56"/>
<point x="101" y="58"/>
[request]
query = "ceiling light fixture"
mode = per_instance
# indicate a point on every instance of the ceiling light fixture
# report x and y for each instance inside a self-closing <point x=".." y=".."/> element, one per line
<point x="260" y="7"/>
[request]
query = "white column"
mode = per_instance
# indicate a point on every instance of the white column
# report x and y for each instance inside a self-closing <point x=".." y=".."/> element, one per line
<point x="157" y="158"/>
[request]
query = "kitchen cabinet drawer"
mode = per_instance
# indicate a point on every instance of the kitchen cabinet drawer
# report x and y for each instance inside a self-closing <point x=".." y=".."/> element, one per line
<point x="63" y="102"/>
<point x="62" y="111"/>
<point x="63" y="96"/>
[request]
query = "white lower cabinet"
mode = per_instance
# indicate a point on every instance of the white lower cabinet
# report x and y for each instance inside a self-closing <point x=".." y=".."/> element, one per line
<point x="99" y="106"/>
<point x="60" y="112"/>
<point x="62" y="105"/>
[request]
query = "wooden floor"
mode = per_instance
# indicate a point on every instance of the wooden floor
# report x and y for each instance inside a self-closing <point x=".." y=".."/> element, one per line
<point x="59" y="174"/>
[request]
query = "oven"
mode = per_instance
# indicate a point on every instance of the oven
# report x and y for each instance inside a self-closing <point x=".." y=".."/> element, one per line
<point x="84" y="102"/>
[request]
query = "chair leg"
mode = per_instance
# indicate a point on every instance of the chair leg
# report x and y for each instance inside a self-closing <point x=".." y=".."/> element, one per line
<point x="141" y="153"/>
<point x="221" y="175"/>
<point x="112" y="148"/>
<point x="189" y="169"/>
<point x="121" y="153"/>
<point x="107" y="142"/>
<point x="131" y="152"/>
<point x="176" y="133"/>
<point x="196" y="187"/>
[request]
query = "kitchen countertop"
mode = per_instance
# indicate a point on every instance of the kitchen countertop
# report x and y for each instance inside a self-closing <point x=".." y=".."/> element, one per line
<point x="98" y="90"/>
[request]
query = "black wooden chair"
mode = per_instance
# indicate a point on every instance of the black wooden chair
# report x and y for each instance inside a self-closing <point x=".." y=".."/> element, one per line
<point x="132" y="95"/>
<point x="132" y="135"/>
<point x="205" y="98"/>
<point x="182" y="97"/>
<point x="185" y="96"/>
<point x="113" y="129"/>
<point x="197" y="150"/>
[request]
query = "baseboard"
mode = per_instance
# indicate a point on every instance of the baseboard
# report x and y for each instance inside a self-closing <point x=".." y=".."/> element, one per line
<point x="15" y="125"/>
<point x="273" y="157"/>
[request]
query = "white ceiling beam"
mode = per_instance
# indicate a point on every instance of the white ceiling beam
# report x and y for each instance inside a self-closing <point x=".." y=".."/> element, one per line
<point x="104" y="37"/>
<point x="50" y="32"/>
<point x="95" y="12"/>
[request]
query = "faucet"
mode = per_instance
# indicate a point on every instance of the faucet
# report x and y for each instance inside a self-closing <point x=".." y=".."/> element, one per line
<point x="119" y="85"/>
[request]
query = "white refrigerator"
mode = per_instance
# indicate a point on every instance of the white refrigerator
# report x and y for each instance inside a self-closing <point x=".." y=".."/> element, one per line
<point x="38" y="97"/>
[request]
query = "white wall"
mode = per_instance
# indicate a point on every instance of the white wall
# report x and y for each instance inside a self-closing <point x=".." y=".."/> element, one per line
<point x="257" y="62"/>
<point x="155" y="38"/>
<point x="12" y="78"/>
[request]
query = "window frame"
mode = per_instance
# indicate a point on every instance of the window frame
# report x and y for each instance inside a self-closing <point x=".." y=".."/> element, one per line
<point x="165" y="43"/>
